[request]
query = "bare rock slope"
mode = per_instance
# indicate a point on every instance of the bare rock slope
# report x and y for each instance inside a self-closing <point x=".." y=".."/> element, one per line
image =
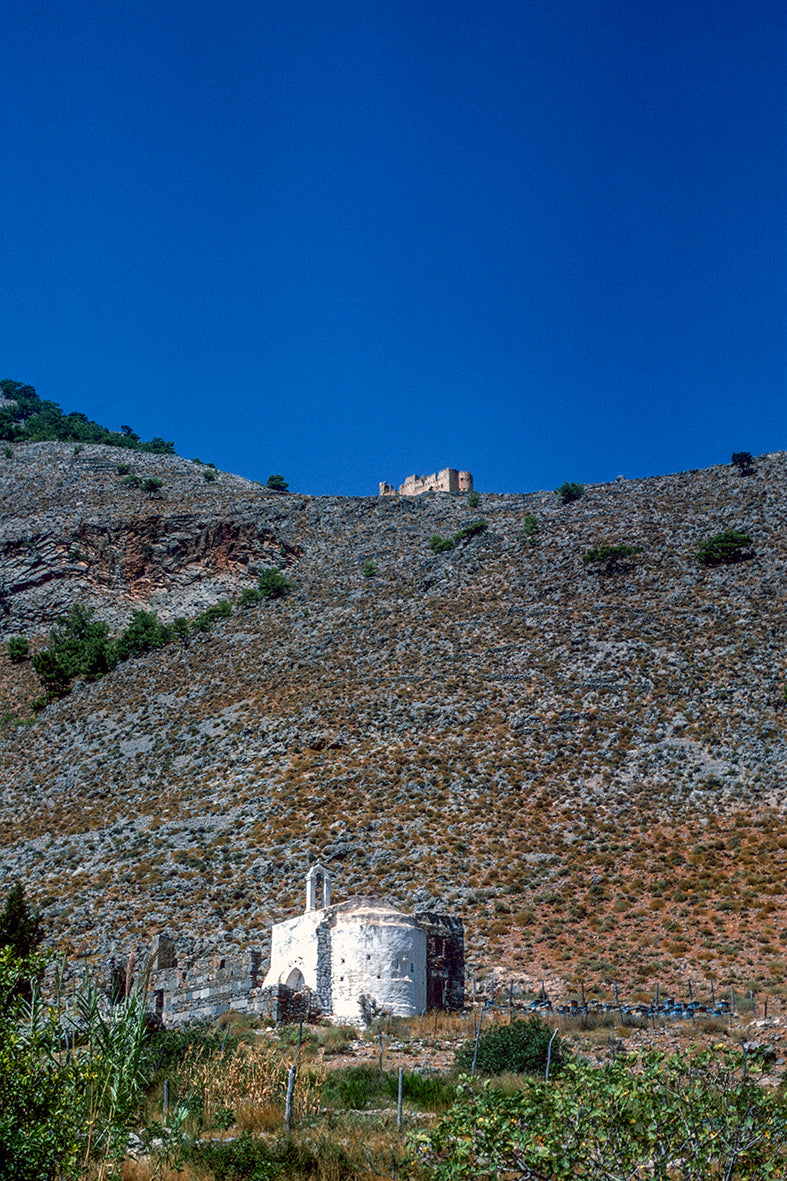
<point x="588" y="764"/>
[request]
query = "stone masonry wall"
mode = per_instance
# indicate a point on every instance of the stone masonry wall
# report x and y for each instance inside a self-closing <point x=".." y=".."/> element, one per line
<point x="203" y="989"/>
<point x="445" y="960"/>
<point x="447" y="480"/>
<point x="324" y="993"/>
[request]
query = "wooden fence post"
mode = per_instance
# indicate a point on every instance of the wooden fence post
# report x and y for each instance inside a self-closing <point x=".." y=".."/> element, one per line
<point x="475" y="1051"/>
<point x="288" y="1102"/>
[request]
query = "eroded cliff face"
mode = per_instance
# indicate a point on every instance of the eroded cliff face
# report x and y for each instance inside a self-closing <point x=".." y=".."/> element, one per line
<point x="73" y="529"/>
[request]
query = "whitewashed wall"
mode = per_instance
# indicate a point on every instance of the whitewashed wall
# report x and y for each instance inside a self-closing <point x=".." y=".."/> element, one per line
<point x="379" y="952"/>
<point x="294" y="948"/>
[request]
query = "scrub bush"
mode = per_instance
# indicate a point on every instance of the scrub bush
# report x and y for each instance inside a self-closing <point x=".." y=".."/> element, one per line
<point x="569" y="491"/>
<point x="18" y="649"/>
<point x="272" y="584"/>
<point x="518" y="1048"/>
<point x="725" y="548"/>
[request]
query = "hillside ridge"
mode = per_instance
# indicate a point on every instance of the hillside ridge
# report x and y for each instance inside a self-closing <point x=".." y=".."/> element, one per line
<point x="588" y="766"/>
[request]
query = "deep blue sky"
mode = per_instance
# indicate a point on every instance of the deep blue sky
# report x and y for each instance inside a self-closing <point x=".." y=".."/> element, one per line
<point x="347" y="240"/>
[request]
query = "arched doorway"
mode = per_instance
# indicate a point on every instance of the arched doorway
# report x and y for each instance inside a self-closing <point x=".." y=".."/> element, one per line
<point x="295" y="980"/>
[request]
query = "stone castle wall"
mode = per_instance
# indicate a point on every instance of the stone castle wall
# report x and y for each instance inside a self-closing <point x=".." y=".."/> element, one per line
<point x="447" y="480"/>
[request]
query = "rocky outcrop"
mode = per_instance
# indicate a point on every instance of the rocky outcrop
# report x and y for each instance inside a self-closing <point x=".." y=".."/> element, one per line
<point x="97" y="539"/>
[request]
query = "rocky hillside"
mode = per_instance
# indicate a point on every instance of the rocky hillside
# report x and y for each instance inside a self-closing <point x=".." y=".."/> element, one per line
<point x="587" y="761"/>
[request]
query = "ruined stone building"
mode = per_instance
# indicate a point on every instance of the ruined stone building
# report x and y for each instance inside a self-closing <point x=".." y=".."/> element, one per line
<point x="365" y="954"/>
<point x="447" y="480"/>
<point x="346" y="960"/>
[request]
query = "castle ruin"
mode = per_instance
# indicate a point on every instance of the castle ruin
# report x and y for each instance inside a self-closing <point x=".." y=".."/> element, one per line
<point x="447" y="480"/>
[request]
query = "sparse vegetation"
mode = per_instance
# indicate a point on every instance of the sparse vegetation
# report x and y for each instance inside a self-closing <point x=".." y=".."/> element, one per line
<point x="743" y="461"/>
<point x="18" y="649"/>
<point x="473" y="499"/>
<point x="277" y="483"/>
<point x="440" y="545"/>
<point x="529" y="531"/>
<point x="724" y="548"/>
<point x="610" y="558"/>
<point x="569" y="491"/>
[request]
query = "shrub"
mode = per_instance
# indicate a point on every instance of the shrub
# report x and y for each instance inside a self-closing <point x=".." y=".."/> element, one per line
<point x="471" y="529"/>
<point x="518" y="1048"/>
<point x="18" y="649"/>
<point x="369" y="568"/>
<point x="237" y="1160"/>
<point x="569" y="491"/>
<point x="441" y="545"/>
<point x="123" y="469"/>
<point x="145" y="633"/>
<point x="473" y="499"/>
<point x="206" y="619"/>
<point x="41" y="1114"/>
<point x="62" y="1110"/>
<point x="724" y="548"/>
<point x="180" y="627"/>
<point x="131" y="481"/>
<point x="743" y="461"/>
<point x="610" y="557"/>
<point x="20" y="926"/>
<point x="151" y="485"/>
<point x="530" y="528"/>
<point x="249" y="597"/>
<point x="209" y="475"/>
<point x="79" y="646"/>
<point x="277" y="483"/>
<point x="705" y="1114"/>
<point x="272" y="584"/>
<point x="8" y="452"/>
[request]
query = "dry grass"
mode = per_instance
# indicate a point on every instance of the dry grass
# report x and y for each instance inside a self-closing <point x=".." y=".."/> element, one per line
<point x="250" y="1083"/>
